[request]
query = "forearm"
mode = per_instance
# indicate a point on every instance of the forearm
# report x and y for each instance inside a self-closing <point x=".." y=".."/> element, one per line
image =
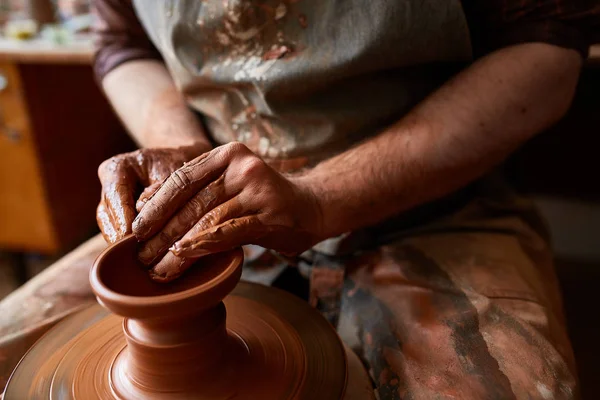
<point x="153" y="110"/>
<point x="454" y="136"/>
<point x="136" y="81"/>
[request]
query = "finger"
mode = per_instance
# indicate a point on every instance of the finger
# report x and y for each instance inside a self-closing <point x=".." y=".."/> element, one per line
<point x="176" y="191"/>
<point x="229" y="235"/>
<point x="146" y="195"/>
<point x="226" y="236"/>
<point x="118" y="186"/>
<point x="208" y="198"/>
<point x="120" y="207"/>
<point x="106" y="227"/>
<point x="173" y="265"/>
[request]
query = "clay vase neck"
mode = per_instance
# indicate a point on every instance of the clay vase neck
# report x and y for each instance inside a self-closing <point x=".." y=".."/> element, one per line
<point x="176" y="332"/>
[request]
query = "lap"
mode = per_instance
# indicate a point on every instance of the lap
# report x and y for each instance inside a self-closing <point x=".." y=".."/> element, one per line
<point x="459" y="314"/>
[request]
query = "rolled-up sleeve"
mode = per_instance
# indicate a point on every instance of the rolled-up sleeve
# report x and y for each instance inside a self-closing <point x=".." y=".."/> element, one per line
<point x="118" y="36"/>
<point x="570" y="24"/>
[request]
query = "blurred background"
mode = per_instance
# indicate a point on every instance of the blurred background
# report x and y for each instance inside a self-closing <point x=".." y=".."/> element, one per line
<point x="56" y="128"/>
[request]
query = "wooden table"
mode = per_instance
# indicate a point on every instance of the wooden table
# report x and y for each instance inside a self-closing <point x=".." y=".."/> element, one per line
<point x="56" y="127"/>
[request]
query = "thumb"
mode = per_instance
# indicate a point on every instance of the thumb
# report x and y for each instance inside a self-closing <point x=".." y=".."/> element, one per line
<point x="226" y="236"/>
<point x="195" y="244"/>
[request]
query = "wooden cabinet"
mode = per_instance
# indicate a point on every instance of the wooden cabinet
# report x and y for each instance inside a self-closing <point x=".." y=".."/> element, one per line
<point x="55" y="129"/>
<point x="25" y="218"/>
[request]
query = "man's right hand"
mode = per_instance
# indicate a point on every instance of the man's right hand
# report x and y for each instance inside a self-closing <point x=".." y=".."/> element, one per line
<point x="125" y="175"/>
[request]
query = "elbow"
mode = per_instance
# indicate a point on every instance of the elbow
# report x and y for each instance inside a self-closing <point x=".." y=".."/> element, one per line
<point x="551" y="85"/>
<point x="118" y="36"/>
<point x="110" y="54"/>
<point x="562" y="82"/>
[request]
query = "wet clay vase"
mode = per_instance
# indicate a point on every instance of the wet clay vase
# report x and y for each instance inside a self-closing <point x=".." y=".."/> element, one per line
<point x="204" y="336"/>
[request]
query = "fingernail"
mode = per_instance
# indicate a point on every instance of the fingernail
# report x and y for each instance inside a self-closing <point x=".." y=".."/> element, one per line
<point x="176" y="248"/>
<point x="157" y="277"/>
<point x="182" y="247"/>
<point x="188" y="250"/>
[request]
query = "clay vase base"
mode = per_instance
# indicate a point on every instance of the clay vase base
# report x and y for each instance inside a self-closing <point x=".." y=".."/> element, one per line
<point x="266" y="359"/>
<point x="213" y="385"/>
<point x="270" y="358"/>
<point x="204" y="336"/>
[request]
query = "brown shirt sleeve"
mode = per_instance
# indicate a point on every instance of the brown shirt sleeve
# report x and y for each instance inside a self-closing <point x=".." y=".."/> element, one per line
<point x="571" y="24"/>
<point x="118" y="36"/>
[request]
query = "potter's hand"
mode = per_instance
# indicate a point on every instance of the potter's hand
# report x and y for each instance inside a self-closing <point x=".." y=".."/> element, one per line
<point x="221" y="200"/>
<point x="124" y="175"/>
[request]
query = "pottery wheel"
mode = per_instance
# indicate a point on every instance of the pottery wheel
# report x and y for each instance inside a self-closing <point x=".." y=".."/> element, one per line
<point x="289" y="351"/>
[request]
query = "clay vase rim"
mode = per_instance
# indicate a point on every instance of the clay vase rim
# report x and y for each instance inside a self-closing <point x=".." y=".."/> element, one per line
<point x="134" y="306"/>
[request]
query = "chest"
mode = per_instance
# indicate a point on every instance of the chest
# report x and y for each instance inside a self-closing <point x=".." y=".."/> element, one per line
<point x="241" y="40"/>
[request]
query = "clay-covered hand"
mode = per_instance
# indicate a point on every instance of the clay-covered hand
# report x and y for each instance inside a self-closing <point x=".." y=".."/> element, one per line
<point x="221" y="200"/>
<point x="124" y="176"/>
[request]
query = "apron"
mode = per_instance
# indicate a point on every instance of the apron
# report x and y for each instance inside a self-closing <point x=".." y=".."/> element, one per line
<point x="298" y="81"/>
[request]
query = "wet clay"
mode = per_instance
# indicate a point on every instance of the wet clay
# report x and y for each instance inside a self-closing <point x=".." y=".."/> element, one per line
<point x="121" y="176"/>
<point x="189" y="338"/>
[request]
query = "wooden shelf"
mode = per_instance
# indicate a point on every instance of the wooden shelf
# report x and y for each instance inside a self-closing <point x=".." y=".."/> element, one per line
<point x="40" y="51"/>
